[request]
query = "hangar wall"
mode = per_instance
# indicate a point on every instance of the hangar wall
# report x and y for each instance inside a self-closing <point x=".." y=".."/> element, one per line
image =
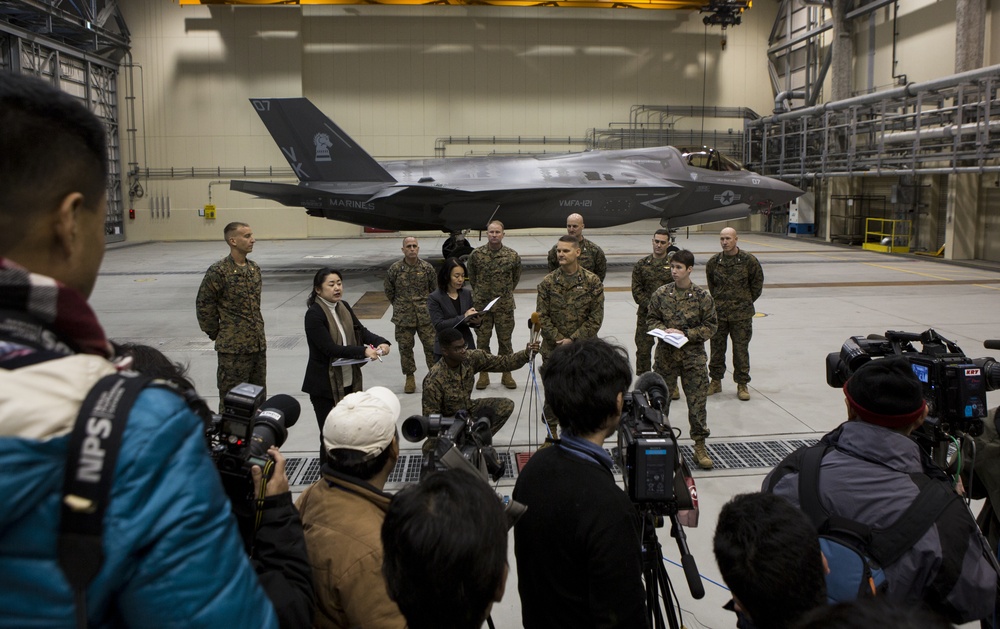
<point x="397" y="78"/>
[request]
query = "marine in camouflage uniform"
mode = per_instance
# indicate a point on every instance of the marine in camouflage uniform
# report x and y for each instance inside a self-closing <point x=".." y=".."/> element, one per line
<point x="735" y="280"/>
<point x="447" y="389"/>
<point x="591" y="257"/>
<point x="648" y="274"/>
<point x="570" y="305"/>
<point x="690" y="310"/>
<point x="494" y="271"/>
<point x="407" y="284"/>
<point x="228" y="311"/>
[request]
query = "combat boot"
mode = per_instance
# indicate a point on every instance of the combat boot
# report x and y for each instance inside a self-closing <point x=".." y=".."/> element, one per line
<point x="675" y="391"/>
<point x="484" y="380"/>
<point x="715" y="386"/>
<point x="411" y="384"/>
<point x="508" y="381"/>
<point x="742" y="392"/>
<point x="701" y="457"/>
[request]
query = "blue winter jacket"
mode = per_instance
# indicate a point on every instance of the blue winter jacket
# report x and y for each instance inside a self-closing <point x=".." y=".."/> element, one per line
<point x="173" y="557"/>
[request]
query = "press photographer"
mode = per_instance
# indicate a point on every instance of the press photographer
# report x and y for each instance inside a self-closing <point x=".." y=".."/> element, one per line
<point x="870" y="478"/>
<point x="244" y="442"/>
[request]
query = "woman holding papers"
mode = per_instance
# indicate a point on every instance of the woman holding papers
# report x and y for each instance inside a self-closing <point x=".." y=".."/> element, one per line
<point x="338" y="345"/>
<point x="450" y="306"/>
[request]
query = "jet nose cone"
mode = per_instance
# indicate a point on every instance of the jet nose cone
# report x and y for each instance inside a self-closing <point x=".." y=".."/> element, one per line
<point x="779" y="192"/>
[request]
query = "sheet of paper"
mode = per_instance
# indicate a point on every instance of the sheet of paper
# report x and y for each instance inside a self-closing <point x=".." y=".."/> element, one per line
<point x="677" y="340"/>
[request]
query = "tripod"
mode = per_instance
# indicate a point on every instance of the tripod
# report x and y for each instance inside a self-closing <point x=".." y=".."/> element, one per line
<point x="655" y="573"/>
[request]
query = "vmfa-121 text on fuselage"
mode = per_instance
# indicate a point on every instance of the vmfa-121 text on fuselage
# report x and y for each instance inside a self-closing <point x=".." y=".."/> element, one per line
<point x="339" y="180"/>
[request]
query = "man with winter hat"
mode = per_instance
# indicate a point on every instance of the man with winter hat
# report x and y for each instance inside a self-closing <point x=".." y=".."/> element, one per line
<point x="342" y="512"/>
<point x="873" y="471"/>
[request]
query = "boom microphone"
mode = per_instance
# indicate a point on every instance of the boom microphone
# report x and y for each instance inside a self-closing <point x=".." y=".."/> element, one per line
<point x="655" y="389"/>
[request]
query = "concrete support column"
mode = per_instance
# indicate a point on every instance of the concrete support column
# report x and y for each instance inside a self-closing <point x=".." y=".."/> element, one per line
<point x="843" y="53"/>
<point x="961" y="215"/>
<point x="970" y="34"/>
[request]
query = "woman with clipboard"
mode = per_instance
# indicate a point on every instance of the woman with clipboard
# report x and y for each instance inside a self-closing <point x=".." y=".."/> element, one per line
<point x="338" y="345"/>
<point x="450" y="306"/>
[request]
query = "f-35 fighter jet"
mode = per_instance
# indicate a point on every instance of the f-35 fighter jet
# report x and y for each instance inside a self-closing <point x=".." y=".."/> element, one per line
<point x="340" y="181"/>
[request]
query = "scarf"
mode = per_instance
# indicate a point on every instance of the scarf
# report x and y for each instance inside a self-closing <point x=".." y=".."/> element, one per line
<point x="32" y="306"/>
<point x="339" y="310"/>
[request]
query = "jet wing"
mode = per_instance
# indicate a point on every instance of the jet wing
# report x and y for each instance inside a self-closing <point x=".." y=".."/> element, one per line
<point x="299" y="195"/>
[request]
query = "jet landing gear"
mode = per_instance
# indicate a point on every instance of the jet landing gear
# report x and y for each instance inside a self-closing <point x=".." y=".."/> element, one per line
<point x="456" y="246"/>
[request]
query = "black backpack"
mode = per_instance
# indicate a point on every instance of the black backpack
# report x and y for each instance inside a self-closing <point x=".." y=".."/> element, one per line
<point x="856" y="553"/>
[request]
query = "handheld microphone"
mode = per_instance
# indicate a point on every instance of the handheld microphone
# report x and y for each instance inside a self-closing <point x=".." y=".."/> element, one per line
<point x="654" y="388"/>
<point x="536" y="330"/>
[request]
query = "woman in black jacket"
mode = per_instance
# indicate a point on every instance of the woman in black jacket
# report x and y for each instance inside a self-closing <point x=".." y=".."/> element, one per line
<point x="332" y="332"/>
<point x="451" y="303"/>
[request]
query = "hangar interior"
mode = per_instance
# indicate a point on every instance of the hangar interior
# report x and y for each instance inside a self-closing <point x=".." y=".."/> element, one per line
<point x="882" y="109"/>
<point x="852" y="105"/>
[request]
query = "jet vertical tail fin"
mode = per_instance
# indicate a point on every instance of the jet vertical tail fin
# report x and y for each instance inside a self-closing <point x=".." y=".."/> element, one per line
<point x="316" y="148"/>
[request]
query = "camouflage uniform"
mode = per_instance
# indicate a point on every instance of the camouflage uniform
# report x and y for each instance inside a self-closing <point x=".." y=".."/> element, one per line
<point x="691" y="311"/>
<point x="735" y="283"/>
<point x="495" y="274"/>
<point x="406" y="287"/>
<point x="648" y="274"/>
<point x="591" y="258"/>
<point x="228" y="310"/>
<point x="447" y="390"/>
<point x="569" y="307"/>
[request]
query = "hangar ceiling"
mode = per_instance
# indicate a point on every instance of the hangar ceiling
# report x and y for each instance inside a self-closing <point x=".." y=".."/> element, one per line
<point x="721" y="12"/>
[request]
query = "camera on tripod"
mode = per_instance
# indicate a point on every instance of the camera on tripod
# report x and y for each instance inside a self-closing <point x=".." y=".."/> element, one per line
<point x="240" y="436"/>
<point x="954" y="385"/>
<point x="458" y="441"/>
<point x="649" y="454"/>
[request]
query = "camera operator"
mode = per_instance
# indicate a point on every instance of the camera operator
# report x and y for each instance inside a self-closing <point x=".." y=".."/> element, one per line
<point x="271" y="528"/>
<point x="874" y="473"/>
<point x="578" y="545"/>
<point x="343" y="512"/>
<point x="445" y="543"/>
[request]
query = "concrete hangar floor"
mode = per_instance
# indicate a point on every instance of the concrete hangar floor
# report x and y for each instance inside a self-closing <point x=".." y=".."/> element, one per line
<point x="815" y="297"/>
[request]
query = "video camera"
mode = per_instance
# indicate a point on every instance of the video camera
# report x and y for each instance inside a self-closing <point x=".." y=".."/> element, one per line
<point x="458" y="441"/>
<point x="954" y="385"/>
<point x="240" y="436"/>
<point x="647" y="446"/>
<point x="658" y="484"/>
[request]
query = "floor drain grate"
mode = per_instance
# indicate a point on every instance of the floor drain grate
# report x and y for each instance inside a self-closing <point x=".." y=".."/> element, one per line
<point x="732" y="455"/>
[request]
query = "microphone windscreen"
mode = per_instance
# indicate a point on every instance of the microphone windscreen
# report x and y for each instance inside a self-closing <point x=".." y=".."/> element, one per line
<point x="651" y="381"/>
<point x="288" y="406"/>
<point x="992" y="344"/>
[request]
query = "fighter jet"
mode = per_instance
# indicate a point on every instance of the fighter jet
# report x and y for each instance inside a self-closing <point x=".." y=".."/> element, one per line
<point x="340" y="181"/>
